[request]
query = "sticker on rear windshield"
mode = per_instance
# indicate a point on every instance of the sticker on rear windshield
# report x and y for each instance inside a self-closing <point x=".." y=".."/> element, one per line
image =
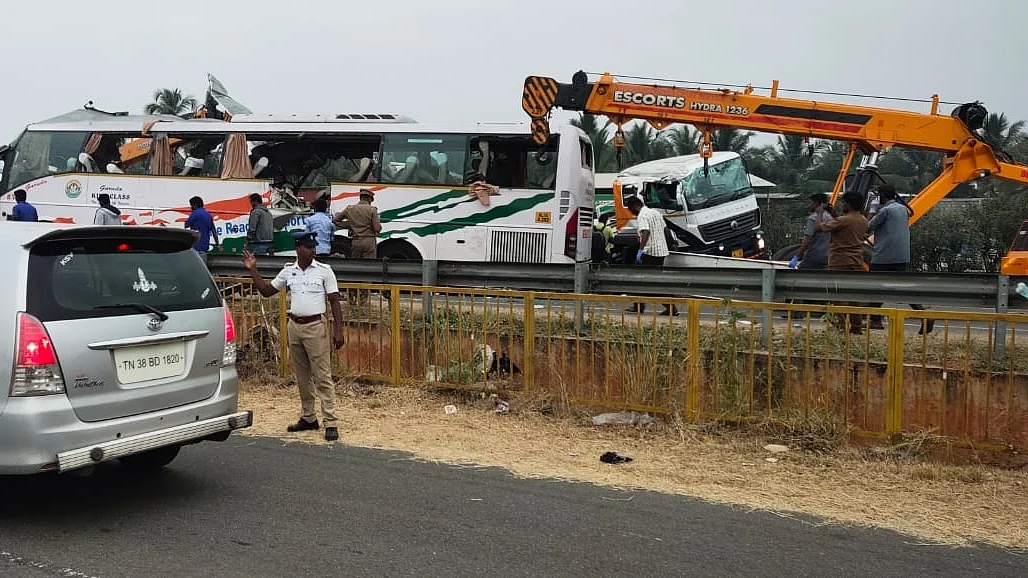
<point x="143" y="285"/>
<point x="67" y="259"/>
<point x="205" y="293"/>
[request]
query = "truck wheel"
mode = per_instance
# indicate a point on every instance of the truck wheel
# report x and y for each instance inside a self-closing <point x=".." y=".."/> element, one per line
<point x="150" y="460"/>
<point x="785" y="253"/>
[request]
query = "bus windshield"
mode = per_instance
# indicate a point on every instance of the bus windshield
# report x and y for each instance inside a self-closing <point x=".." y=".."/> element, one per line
<point x="38" y="154"/>
<point x="725" y="182"/>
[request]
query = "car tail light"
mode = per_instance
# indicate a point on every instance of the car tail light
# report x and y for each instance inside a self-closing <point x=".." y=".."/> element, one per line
<point x="229" y="355"/>
<point x="36" y="371"/>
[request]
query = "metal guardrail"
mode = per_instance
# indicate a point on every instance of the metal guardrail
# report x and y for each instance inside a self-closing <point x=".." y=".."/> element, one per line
<point x="977" y="290"/>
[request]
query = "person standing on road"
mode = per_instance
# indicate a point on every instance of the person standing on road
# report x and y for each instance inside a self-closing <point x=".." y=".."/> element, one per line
<point x="891" y="229"/>
<point x="309" y="284"/>
<point x="846" y="245"/>
<point x="321" y="225"/>
<point x="107" y="214"/>
<point x="260" y="232"/>
<point x="653" y="247"/>
<point x="203" y="223"/>
<point x="813" y="251"/>
<point x="364" y="224"/>
<point x="22" y="210"/>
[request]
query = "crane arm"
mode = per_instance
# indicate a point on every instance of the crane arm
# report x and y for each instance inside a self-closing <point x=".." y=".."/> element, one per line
<point x="871" y="129"/>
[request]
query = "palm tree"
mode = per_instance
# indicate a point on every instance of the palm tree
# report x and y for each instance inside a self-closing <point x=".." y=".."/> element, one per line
<point x="1001" y="134"/>
<point x="643" y="144"/>
<point x="795" y="157"/>
<point x="681" y="140"/>
<point x="599" y="135"/>
<point x="171" y="101"/>
<point x="730" y="139"/>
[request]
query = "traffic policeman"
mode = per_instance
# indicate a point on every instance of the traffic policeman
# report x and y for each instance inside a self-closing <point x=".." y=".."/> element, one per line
<point x="309" y="283"/>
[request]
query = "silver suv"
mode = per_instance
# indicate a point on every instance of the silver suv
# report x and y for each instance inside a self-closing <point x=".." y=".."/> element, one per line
<point x="121" y="347"/>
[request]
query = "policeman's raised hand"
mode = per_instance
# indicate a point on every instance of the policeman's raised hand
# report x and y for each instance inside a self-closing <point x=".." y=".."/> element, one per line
<point x="249" y="261"/>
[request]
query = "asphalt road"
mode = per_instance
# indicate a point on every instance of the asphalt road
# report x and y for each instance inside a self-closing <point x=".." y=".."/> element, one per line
<point x="260" y="507"/>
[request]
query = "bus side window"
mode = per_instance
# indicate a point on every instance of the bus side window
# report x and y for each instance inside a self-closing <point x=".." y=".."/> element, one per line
<point x="343" y="160"/>
<point x="587" y="154"/>
<point x="424" y="159"/>
<point x="198" y="157"/>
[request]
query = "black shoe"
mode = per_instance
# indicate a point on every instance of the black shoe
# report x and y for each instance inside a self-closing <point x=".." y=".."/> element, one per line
<point x="303" y="425"/>
<point x="331" y="434"/>
<point x="927" y="326"/>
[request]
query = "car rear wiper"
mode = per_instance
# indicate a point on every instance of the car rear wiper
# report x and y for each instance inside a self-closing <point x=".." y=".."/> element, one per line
<point x="139" y="306"/>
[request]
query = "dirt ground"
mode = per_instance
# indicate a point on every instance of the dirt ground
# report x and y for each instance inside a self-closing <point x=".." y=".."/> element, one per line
<point x="935" y="503"/>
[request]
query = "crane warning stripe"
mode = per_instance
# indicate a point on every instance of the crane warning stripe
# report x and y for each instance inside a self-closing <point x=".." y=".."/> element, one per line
<point x="539" y="95"/>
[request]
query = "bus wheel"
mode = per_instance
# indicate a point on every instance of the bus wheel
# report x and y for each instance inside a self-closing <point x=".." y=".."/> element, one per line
<point x="785" y="253"/>
<point x="398" y="250"/>
<point x="341" y="246"/>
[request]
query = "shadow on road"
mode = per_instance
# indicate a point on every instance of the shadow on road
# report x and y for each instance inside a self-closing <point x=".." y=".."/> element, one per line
<point x="111" y="491"/>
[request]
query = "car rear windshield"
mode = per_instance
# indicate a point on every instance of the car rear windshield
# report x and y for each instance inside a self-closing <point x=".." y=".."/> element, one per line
<point x="82" y="279"/>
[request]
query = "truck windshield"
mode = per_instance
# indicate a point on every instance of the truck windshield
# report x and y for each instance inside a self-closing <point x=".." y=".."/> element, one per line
<point x="724" y="183"/>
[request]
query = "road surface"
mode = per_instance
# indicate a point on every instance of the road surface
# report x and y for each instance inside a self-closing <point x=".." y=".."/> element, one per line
<point x="261" y="507"/>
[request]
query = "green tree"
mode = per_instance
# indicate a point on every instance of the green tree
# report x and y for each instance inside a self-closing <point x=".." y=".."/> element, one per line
<point x="171" y="101"/>
<point x="1001" y="134"/>
<point x="681" y="140"/>
<point x="598" y="129"/>
<point x="642" y="144"/>
<point x="731" y="139"/>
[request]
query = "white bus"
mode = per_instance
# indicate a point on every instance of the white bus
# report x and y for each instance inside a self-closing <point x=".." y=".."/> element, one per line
<point x="151" y="165"/>
<point x="710" y="211"/>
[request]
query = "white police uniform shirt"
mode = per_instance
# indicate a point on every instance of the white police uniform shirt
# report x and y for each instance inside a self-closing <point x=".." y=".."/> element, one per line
<point x="307" y="288"/>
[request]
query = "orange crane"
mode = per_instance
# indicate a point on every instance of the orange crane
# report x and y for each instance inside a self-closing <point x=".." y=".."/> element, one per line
<point x="868" y="130"/>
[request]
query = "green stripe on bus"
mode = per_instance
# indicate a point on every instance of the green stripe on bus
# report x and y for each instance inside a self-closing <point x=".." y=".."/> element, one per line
<point x="425" y="206"/>
<point x="498" y="212"/>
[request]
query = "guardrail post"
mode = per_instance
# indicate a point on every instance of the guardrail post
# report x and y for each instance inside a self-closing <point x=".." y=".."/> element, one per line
<point x="395" y="337"/>
<point x="999" y="345"/>
<point x="767" y="295"/>
<point x="528" y="343"/>
<point x="429" y="278"/>
<point x="692" y="388"/>
<point x="581" y="286"/>
<point x="894" y="375"/>
<point x="283" y="337"/>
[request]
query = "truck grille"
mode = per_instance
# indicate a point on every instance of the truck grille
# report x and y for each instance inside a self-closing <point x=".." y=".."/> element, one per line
<point x="721" y="230"/>
<point x="518" y="247"/>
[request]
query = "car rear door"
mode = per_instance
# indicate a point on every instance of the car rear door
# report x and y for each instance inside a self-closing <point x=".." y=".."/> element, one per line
<point x="134" y="317"/>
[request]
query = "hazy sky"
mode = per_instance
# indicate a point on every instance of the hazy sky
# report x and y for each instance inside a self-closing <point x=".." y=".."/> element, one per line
<point x="453" y="60"/>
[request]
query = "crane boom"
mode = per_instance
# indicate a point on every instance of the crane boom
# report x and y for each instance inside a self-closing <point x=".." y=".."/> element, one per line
<point x="868" y="129"/>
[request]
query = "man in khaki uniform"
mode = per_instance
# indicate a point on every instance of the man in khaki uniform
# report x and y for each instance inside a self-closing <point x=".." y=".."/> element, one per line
<point x="846" y="245"/>
<point x="363" y="222"/>
<point x="309" y="283"/>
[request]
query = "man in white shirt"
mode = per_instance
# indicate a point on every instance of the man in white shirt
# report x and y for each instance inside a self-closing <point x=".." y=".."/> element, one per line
<point x="308" y="283"/>
<point x="652" y="240"/>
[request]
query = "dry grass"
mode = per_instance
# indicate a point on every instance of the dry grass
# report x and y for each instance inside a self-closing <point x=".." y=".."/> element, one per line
<point x="937" y="503"/>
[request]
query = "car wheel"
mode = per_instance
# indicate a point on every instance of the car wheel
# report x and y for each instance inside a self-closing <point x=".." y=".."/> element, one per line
<point x="150" y="460"/>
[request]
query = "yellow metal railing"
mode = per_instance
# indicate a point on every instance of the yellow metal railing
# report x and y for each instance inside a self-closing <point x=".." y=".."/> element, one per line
<point x="967" y="379"/>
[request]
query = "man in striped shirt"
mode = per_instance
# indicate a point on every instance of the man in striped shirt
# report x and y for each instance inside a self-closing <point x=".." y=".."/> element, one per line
<point x="652" y="240"/>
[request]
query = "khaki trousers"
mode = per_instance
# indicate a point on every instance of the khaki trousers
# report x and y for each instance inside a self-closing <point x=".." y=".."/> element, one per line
<point x="310" y="354"/>
<point x="364" y="248"/>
